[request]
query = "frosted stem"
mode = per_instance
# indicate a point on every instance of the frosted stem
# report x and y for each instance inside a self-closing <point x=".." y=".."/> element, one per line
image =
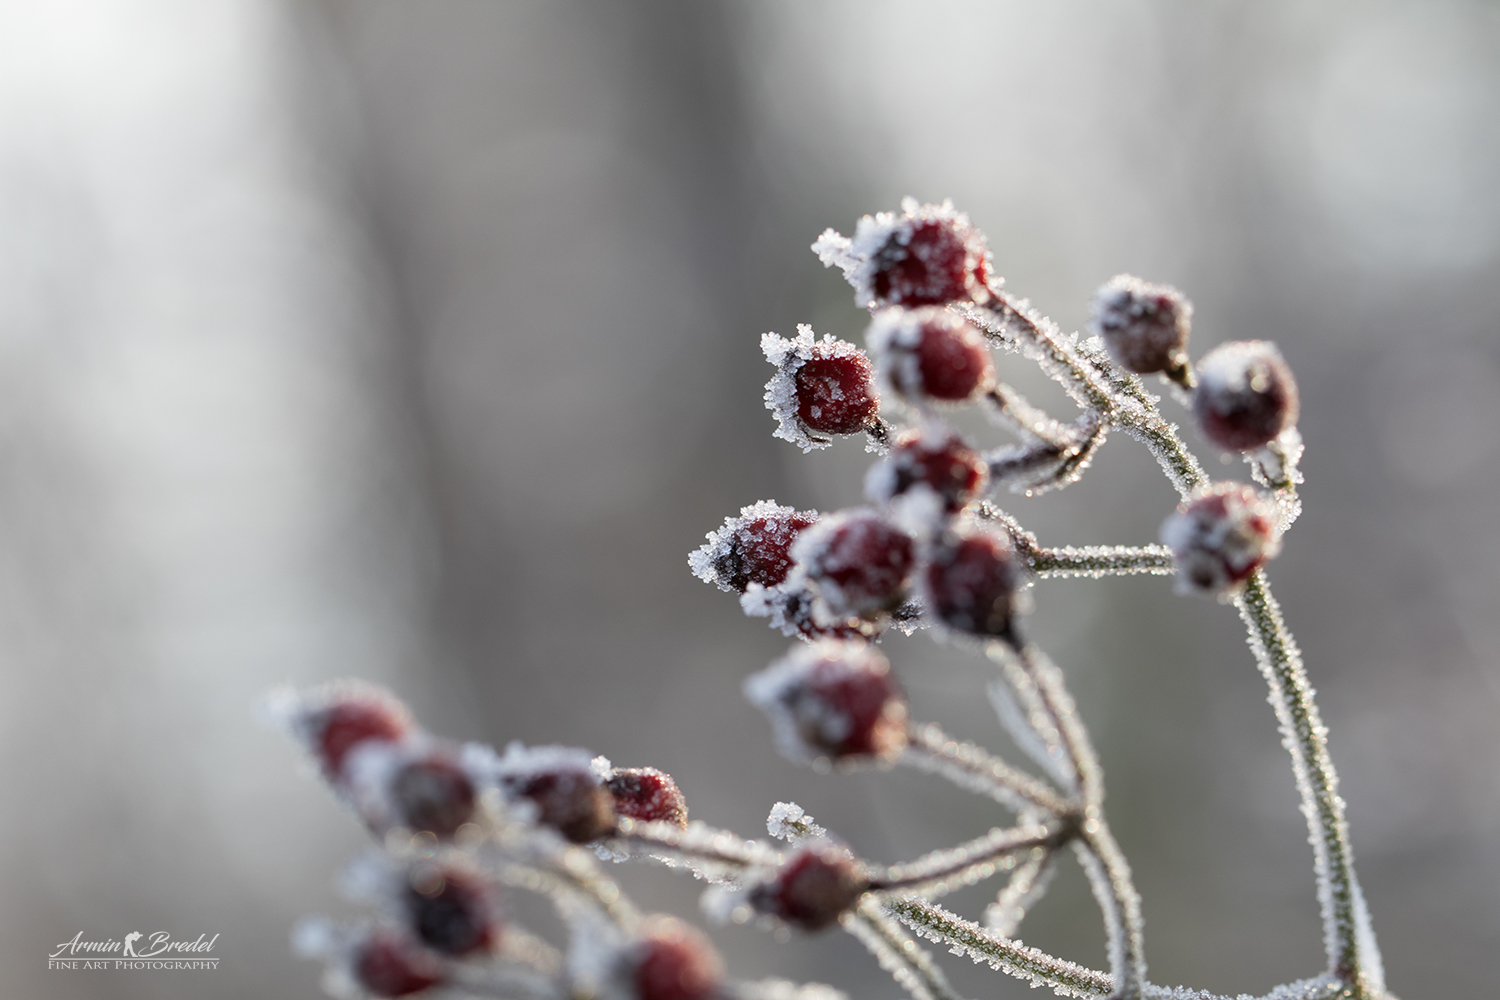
<point x="1103" y="560"/>
<point x="1028" y="883"/>
<point x="907" y="962"/>
<point x="966" y="864"/>
<point x="1349" y="939"/>
<point x="973" y="768"/>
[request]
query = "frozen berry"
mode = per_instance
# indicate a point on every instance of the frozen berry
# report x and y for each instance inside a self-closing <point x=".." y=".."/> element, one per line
<point x="971" y="583"/>
<point x="451" y="910"/>
<point x="793" y="610"/>
<point x="930" y="354"/>
<point x="856" y="562"/>
<point x="433" y="794"/>
<point x="932" y="457"/>
<point x="345" y="717"/>
<point x="1246" y="395"/>
<point x="1220" y="537"/>
<point x="751" y="548"/>
<point x="673" y="961"/>
<point x="813" y="888"/>
<point x="647" y="794"/>
<point x="833" y="700"/>
<point x="388" y="964"/>
<point x="1144" y="326"/>
<point x="563" y="787"/>
<point x="821" y="387"/>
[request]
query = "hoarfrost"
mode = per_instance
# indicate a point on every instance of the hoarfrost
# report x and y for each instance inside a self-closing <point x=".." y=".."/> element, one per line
<point x="781" y="391"/>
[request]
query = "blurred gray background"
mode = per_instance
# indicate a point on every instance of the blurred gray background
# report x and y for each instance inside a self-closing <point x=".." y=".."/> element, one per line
<point x="418" y="342"/>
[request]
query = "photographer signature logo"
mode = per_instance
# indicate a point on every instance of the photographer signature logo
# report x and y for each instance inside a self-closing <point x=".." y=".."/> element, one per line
<point x="158" y="950"/>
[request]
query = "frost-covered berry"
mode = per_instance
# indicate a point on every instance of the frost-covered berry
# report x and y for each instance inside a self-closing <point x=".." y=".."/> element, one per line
<point x="1220" y="537"/>
<point x="855" y="562"/>
<point x="1246" y="395"/>
<point x="335" y="721"/>
<point x="932" y="457"/>
<point x="751" y="548"/>
<point x="644" y="793"/>
<point x="812" y="888"/>
<point x="930" y="354"/>
<point x="971" y="582"/>
<point x="390" y="964"/>
<point x="929" y="255"/>
<point x="1144" y="326"/>
<point x="795" y="612"/>
<point x="821" y="387"/>
<point x="833" y="700"/>
<point x="433" y="794"/>
<point x="563" y="788"/>
<point x="451" y="910"/>
<point x="673" y="961"/>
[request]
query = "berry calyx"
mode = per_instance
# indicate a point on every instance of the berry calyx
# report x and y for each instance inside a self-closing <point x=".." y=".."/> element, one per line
<point x="855" y="562"/>
<point x="934" y="458"/>
<point x="930" y="354"/>
<point x="821" y="387"/>
<point x="813" y="888"/>
<point x="674" y="961"/>
<point x="1246" y="395"/>
<point x="451" y="910"/>
<point x="751" y="548"/>
<point x="833" y="700"/>
<point x="433" y="794"/>
<point x="972" y="581"/>
<point x="646" y="794"/>
<point x="562" y="787"/>
<point x="389" y="964"/>
<point x="1220" y="537"/>
<point x="1145" y="326"/>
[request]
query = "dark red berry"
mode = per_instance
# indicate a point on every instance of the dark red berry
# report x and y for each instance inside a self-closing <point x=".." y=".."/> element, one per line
<point x="433" y="794"/>
<point x="570" y="800"/>
<point x="388" y="964"/>
<point x="971" y="583"/>
<point x="1246" y="395"/>
<point x="835" y="700"/>
<point x="451" y="910"/>
<point x="930" y="354"/>
<point x="930" y="256"/>
<point x="351" y="719"/>
<point x="1144" y="326"/>
<point x="644" y="793"/>
<point x="1221" y="537"/>
<point x="751" y="548"/>
<point x="857" y="562"/>
<point x="675" y="962"/>
<point x="813" y="888"/>
<point x="932" y="457"/>
<point x="836" y="395"/>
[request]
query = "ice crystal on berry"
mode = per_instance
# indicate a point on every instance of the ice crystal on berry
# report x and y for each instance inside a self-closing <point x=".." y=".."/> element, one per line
<point x="927" y="255"/>
<point x="1220" y="537"/>
<point x="821" y="388"/>
<point x="929" y="354"/>
<point x="751" y="548"/>
<point x="856" y="563"/>
<point x="1144" y="326"/>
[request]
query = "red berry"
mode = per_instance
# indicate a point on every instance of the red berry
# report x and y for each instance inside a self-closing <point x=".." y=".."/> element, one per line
<point x="751" y="548"/>
<point x="562" y="785"/>
<point x="433" y="794"/>
<point x="1246" y="395"/>
<point x="451" y="910"/>
<point x="833" y="699"/>
<point x="930" y="354"/>
<point x="351" y="718"/>
<point x="928" y="255"/>
<point x="821" y="387"/>
<point x="857" y="562"/>
<point x="932" y="457"/>
<point x="675" y="962"/>
<point x="388" y="964"/>
<point x="1221" y="537"/>
<point x="972" y="581"/>
<point x="813" y="888"/>
<point x="1144" y="326"/>
<point x="647" y="794"/>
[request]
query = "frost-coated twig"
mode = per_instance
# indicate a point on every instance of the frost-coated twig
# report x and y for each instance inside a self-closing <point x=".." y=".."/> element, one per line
<point x="907" y="962"/>
<point x="1095" y="561"/>
<point x="709" y="853"/>
<point x="943" y="871"/>
<point x="1348" y="937"/>
<point x="973" y="768"/>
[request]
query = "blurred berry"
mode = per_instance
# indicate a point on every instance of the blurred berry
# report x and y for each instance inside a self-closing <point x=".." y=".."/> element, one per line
<point x="451" y="910"/>
<point x="674" y="961"/>
<point x="751" y="548"/>
<point x="856" y="562"/>
<point x="345" y="717"/>
<point x="563" y="787"/>
<point x="388" y="964"/>
<point x="433" y="794"/>
<point x="833" y="700"/>
<point x="1144" y="326"/>
<point x="972" y="581"/>
<point x="933" y="457"/>
<point x="930" y="354"/>
<point x="644" y="793"/>
<point x="1246" y="395"/>
<point x="813" y="888"/>
<point x="1220" y="537"/>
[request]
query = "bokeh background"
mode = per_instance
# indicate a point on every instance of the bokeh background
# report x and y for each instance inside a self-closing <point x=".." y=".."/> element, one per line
<point x="418" y="342"/>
